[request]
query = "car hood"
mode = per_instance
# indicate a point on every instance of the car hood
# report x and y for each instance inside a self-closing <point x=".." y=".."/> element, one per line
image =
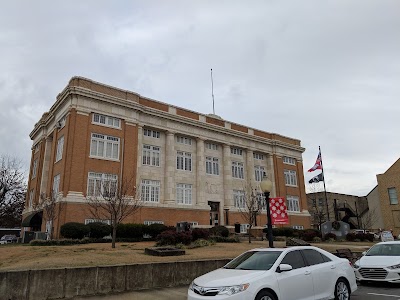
<point x="227" y="277"/>
<point x="378" y="261"/>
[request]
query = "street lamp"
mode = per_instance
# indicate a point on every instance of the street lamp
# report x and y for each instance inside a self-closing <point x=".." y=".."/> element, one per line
<point x="266" y="187"/>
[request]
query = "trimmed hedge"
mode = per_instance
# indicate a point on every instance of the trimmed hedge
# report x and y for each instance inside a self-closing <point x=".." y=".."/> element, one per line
<point x="221" y="239"/>
<point x="130" y="231"/>
<point x="219" y="230"/>
<point x="74" y="230"/>
<point x="99" y="230"/>
<point x="62" y="242"/>
<point x="200" y="233"/>
<point x="171" y="237"/>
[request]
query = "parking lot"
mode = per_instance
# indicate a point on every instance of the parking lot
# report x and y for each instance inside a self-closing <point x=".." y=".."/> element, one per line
<point x="370" y="291"/>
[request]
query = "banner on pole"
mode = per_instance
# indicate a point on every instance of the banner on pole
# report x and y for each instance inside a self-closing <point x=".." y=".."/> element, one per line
<point x="278" y="210"/>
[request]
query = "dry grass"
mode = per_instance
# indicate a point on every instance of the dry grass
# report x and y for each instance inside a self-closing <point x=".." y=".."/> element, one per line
<point x="25" y="257"/>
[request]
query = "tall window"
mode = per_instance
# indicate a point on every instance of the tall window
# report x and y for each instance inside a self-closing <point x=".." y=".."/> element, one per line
<point x="183" y="140"/>
<point x="153" y="222"/>
<point x="237" y="151"/>
<point x="237" y="170"/>
<point x="150" y="190"/>
<point x="31" y="196"/>
<point x="56" y="185"/>
<point x="211" y="146"/>
<point x="60" y="147"/>
<point x="104" y="146"/>
<point x="259" y="172"/>
<point x="258" y="156"/>
<point x="290" y="178"/>
<point x="106" y="120"/>
<point x="289" y="160"/>
<point x="34" y="169"/>
<point x="239" y="199"/>
<point x="393" y="196"/>
<point x="151" y="133"/>
<point x="293" y="203"/>
<point x="212" y="165"/>
<point x="184" y="161"/>
<point x="184" y="193"/>
<point x="151" y="155"/>
<point x="101" y="184"/>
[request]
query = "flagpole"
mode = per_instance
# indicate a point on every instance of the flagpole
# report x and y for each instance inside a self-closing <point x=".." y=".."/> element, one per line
<point x="323" y="176"/>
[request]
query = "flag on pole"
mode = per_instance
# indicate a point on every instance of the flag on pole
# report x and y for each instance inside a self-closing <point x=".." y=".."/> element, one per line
<point x="318" y="163"/>
<point x="318" y="178"/>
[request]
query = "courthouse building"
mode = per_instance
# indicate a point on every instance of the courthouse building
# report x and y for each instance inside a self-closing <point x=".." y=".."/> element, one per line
<point x="188" y="166"/>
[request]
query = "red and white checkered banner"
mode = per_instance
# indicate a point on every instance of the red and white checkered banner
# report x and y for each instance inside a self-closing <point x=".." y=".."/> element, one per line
<point x="278" y="210"/>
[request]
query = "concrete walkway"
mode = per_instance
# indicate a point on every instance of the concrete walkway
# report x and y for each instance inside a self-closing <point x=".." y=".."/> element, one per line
<point x="176" y="293"/>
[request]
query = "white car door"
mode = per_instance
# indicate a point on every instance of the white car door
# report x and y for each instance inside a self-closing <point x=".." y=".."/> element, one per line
<point x="323" y="272"/>
<point x="296" y="284"/>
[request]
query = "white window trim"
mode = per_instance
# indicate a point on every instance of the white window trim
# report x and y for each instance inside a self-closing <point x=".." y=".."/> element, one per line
<point x="99" y="182"/>
<point x="298" y="227"/>
<point x="184" y="194"/>
<point x="290" y="175"/>
<point x="184" y="160"/>
<point x="31" y="196"/>
<point x="212" y="164"/>
<point x="259" y="173"/>
<point x="239" y="199"/>
<point x="391" y="196"/>
<point x="105" y="140"/>
<point x="154" y="156"/>
<point x="236" y="151"/>
<point x="35" y="167"/>
<point x="237" y="170"/>
<point x="152" y="189"/>
<point x="149" y="222"/>
<point x="258" y="156"/>
<point x="106" y="121"/>
<point x="60" y="149"/>
<point x="289" y="160"/>
<point x="184" y="140"/>
<point x="151" y="133"/>
<point x="211" y="146"/>
<point x="88" y="221"/>
<point x="56" y="185"/>
<point x="293" y="204"/>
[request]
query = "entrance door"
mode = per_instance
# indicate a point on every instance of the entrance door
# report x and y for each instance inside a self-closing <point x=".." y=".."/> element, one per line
<point x="214" y="213"/>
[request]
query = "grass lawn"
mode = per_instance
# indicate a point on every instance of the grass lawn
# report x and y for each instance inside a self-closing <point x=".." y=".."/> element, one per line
<point x="25" y="257"/>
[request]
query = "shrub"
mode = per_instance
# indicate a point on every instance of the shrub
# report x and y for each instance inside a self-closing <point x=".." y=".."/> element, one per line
<point x="283" y="231"/>
<point x="62" y="242"/>
<point x="199" y="233"/>
<point x="350" y="237"/>
<point x="219" y="230"/>
<point x="130" y="231"/>
<point x="330" y="235"/>
<point x="171" y="237"/>
<point x="199" y="243"/>
<point x="99" y="230"/>
<point x="221" y="239"/>
<point x="73" y="230"/>
<point x="317" y="239"/>
<point x="154" y="229"/>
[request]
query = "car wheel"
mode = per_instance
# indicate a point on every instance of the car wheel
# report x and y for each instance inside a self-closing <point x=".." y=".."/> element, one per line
<point x="342" y="291"/>
<point x="265" y="295"/>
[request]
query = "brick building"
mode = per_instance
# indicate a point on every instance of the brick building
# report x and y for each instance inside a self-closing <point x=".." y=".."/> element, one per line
<point x="188" y="166"/>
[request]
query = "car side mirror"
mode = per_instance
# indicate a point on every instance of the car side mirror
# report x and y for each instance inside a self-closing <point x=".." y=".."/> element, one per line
<point x="365" y="252"/>
<point x="284" y="268"/>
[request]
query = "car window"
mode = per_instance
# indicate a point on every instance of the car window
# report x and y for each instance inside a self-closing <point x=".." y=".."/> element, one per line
<point x="295" y="259"/>
<point x="384" y="250"/>
<point x="313" y="257"/>
<point x="326" y="258"/>
<point x="254" y="260"/>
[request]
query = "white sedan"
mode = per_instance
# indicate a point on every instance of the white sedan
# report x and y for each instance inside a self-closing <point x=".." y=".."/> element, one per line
<point x="294" y="273"/>
<point x="380" y="263"/>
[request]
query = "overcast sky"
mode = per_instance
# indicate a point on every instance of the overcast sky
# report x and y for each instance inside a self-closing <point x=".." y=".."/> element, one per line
<point x="324" y="72"/>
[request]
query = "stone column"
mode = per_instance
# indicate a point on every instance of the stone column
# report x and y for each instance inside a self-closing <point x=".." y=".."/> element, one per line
<point x="251" y="178"/>
<point x="201" y="173"/>
<point x="227" y="173"/>
<point x="140" y="155"/>
<point x="170" y="167"/>
<point x="46" y="165"/>
<point x="271" y="174"/>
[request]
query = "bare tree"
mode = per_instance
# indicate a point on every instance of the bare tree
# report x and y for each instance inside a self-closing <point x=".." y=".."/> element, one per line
<point x="318" y="212"/>
<point x="114" y="201"/>
<point x="250" y="204"/>
<point x="369" y="218"/>
<point x="12" y="191"/>
<point x="52" y="208"/>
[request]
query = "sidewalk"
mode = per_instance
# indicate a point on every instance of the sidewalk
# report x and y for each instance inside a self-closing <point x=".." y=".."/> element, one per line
<point x="176" y="293"/>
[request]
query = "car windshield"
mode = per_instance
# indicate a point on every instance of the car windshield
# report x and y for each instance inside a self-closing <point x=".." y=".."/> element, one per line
<point x="254" y="260"/>
<point x="384" y="250"/>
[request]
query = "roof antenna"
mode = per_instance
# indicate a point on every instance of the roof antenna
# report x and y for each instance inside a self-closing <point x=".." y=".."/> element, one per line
<point x="212" y="91"/>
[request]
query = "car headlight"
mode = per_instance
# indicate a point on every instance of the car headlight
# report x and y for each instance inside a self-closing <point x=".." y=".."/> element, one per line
<point x="394" y="267"/>
<point x="191" y="286"/>
<point x="234" y="289"/>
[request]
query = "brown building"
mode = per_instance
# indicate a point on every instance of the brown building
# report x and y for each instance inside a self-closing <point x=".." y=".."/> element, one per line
<point x="188" y="166"/>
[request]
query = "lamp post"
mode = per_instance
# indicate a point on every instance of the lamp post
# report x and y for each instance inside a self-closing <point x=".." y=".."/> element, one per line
<point x="266" y="187"/>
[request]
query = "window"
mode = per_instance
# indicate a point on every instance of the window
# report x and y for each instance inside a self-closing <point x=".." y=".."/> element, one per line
<point x="193" y="223"/>
<point x="151" y="133"/>
<point x="244" y="228"/>
<point x="184" y="161"/>
<point x="295" y="259"/>
<point x="101" y="184"/>
<point x="298" y="227"/>
<point x="153" y="222"/>
<point x="237" y="170"/>
<point x="104" y="146"/>
<point x="393" y="196"/>
<point x="237" y="151"/>
<point x="258" y="156"/>
<point x="259" y="172"/>
<point x="106" y="120"/>
<point x="183" y="140"/>
<point x="88" y="221"/>
<point x="290" y="178"/>
<point x="211" y="146"/>
<point x="289" y="160"/>
<point x="293" y="203"/>
<point x="239" y="199"/>
<point x="183" y="193"/>
<point x="61" y="123"/>
<point x="313" y="257"/>
<point x="151" y="155"/>
<point x="31" y="196"/>
<point x="212" y="165"/>
<point x="60" y="147"/>
<point x="56" y="185"/>
<point x="34" y="169"/>
<point x="150" y="190"/>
